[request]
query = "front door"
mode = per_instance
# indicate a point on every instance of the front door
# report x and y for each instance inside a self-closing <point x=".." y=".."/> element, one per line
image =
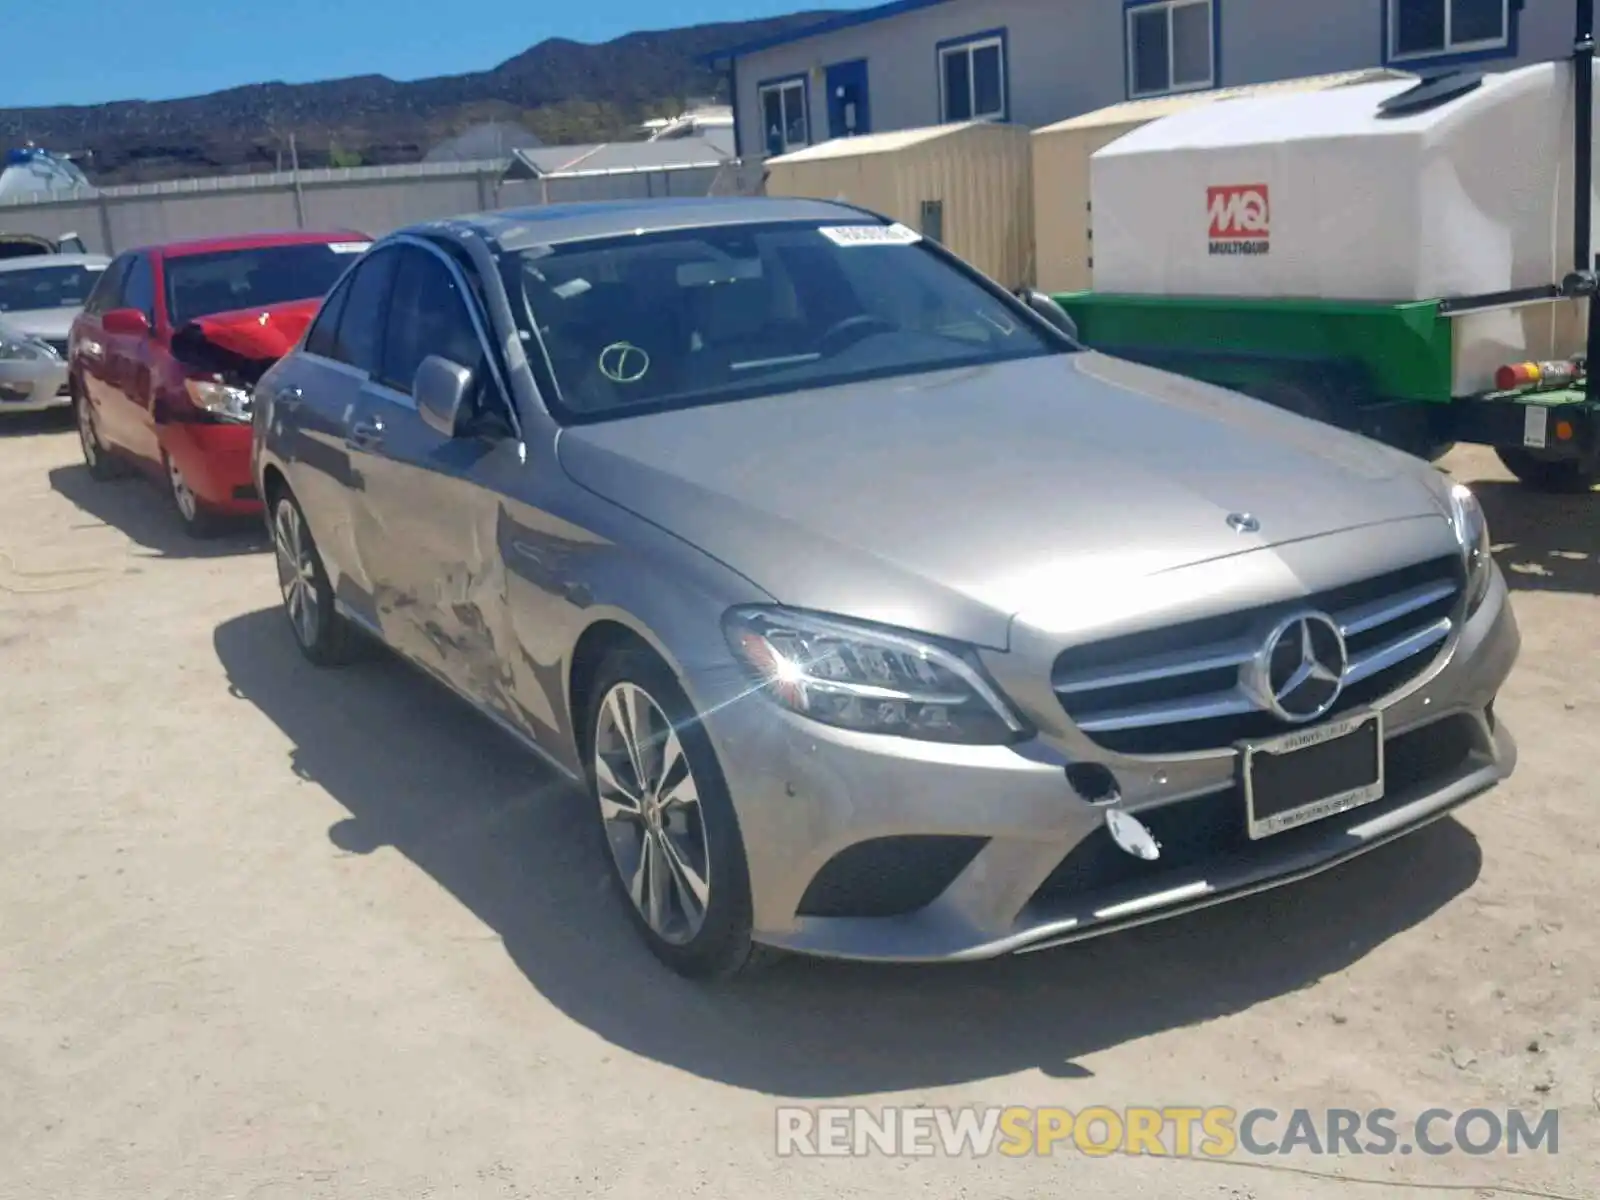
<point x="849" y="114"/>
<point x="430" y="533"/>
<point x="124" y="416"/>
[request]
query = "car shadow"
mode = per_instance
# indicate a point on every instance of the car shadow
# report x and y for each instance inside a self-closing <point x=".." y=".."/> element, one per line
<point x="422" y="773"/>
<point x="140" y="510"/>
<point x="1543" y="542"/>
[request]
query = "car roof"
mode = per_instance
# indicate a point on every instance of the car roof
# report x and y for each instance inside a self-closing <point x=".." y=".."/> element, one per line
<point x="551" y="224"/>
<point x="252" y="241"/>
<point x="32" y="261"/>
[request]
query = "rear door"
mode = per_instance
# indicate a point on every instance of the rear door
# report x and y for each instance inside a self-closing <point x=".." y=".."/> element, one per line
<point x="87" y="347"/>
<point x="322" y="397"/>
<point x="431" y="533"/>
<point x="130" y="362"/>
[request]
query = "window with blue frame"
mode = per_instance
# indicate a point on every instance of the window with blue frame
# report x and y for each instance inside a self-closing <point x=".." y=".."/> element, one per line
<point x="972" y="79"/>
<point x="784" y="123"/>
<point x="1435" y="28"/>
<point x="1171" y="46"/>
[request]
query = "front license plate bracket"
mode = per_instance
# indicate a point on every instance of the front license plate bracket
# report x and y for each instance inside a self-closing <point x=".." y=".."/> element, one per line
<point x="1312" y="774"/>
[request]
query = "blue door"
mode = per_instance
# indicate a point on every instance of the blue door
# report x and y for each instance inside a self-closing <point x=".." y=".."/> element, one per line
<point x="848" y="111"/>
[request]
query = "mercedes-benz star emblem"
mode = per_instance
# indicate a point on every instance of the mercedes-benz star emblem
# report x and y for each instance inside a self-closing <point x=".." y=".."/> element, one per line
<point x="1242" y="522"/>
<point x="1298" y="673"/>
<point x="623" y="362"/>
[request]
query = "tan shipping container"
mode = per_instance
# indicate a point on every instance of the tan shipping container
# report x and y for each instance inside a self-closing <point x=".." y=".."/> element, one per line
<point x="1063" y="221"/>
<point x="966" y="186"/>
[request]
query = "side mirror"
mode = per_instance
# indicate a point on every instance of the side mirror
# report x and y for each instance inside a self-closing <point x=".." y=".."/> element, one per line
<point x="1047" y="308"/>
<point x="126" y="321"/>
<point x="440" y="390"/>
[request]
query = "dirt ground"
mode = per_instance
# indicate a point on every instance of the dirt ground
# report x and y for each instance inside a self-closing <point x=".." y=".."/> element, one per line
<point x="272" y="933"/>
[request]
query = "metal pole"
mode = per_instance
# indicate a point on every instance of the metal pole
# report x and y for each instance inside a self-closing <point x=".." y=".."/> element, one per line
<point x="299" y="196"/>
<point x="1583" y="148"/>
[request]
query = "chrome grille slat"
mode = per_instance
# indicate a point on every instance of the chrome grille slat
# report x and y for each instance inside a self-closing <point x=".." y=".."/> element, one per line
<point x="1218" y="704"/>
<point x="1390" y="654"/>
<point x="1160" y="666"/>
<point x="1161" y="692"/>
<point x="1382" y="612"/>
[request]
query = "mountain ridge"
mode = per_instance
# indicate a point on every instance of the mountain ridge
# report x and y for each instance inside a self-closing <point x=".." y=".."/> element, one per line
<point x="561" y="90"/>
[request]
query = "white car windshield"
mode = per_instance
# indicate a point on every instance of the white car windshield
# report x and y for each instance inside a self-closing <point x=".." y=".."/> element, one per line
<point x="61" y="285"/>
<point x="667" y="320"/>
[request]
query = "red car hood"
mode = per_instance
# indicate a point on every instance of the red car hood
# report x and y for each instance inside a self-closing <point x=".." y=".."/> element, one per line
<point x="258" y="333"/>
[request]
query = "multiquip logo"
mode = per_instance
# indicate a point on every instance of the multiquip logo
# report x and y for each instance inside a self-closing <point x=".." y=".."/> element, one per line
<point x="1241" y="218"/>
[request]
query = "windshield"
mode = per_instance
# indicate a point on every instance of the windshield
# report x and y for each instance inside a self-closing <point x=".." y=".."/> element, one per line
<point x="668" y="320"/>
<point x="227" y="280"/>
<point x="62" y="286"/>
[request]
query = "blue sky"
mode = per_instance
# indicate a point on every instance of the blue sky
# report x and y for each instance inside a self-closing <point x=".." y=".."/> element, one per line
<point x="159" y="49"/>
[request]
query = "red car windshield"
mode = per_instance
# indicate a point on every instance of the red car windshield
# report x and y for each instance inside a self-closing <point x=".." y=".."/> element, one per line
<point x="227" y="280"/>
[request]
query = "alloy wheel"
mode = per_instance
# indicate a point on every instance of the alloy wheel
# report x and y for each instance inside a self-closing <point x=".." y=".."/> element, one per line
<point x="650" y="804"/>
<point x="297" y="572"/>
<point x="182" y="493"/>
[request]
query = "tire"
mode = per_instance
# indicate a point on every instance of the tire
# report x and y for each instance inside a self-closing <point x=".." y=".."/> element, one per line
<point x="324" y="637"/>
<point x="198" y="521"/>
<point x="99" y="461"/>
<point x="1558" y="475"/>
<point x="677" y="857"/>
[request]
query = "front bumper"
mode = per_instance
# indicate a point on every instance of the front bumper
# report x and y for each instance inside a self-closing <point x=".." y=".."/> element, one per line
<point x="33" y="385"/>
<point x="841" y="830"/>
<point x="215" y="460"/>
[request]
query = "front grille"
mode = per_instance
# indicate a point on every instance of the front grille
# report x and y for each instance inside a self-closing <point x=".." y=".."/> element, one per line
<point x="1177" y="690"/>
<point x="1211" y="830"/>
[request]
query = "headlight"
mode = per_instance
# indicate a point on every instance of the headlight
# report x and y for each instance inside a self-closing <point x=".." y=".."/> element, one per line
<point x="868" y="679"/>
<point x="24" y="348"/>
<point x="1472" y="531"/>
<point x="220" y="398"/>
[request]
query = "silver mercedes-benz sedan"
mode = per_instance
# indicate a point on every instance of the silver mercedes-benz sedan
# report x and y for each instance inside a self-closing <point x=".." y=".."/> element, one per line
<point x="878" y="618"/>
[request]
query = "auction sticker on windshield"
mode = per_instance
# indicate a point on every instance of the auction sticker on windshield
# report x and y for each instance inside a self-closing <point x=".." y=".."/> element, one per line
<point x="870" y="235"/>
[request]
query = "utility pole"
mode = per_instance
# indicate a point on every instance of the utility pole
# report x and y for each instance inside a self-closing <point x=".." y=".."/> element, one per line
<point x="299" y="195"/>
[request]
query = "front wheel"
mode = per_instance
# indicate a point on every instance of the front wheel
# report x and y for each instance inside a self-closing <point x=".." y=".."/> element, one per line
<point x="1544" y="474"/>
<point x="323" y="636"/>
<point x="668" y="824"/>
<point x="198" y="520"/>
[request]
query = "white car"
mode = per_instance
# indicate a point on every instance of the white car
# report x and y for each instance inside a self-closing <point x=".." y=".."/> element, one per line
<point x="39" y="297"/>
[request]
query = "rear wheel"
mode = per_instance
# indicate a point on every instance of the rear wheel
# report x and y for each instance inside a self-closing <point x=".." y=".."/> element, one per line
<point x="668" y="825"/>
<point x="1545" y="474"/>
<point x="95" y="456"/>
<point x="323" y="636"/>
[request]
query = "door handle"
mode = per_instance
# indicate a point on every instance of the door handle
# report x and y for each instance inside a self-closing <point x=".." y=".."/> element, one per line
<point x="364" y="435"/>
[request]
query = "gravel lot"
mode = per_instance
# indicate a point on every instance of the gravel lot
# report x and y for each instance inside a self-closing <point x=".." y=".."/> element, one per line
<point x="273" y="933"/>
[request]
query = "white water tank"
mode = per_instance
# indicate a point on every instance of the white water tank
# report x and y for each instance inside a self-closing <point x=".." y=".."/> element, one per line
<point x="1320" y="195"/>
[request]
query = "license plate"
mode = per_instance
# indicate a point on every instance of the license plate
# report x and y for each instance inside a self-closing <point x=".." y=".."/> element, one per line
<point x="1302" y="777"/>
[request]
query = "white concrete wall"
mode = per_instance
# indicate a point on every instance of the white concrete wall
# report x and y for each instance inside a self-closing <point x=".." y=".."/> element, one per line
<point x="1066" y="57"/>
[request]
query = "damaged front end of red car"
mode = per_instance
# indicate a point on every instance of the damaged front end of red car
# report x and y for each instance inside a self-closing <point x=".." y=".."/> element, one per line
<point x="224" y="355"/>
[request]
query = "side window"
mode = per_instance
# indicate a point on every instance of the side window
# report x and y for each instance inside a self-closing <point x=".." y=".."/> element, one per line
<point x="428" y="315"/>
<point x="140" y="289"/>
<point x="323" y="337"/>
<point x="361" y="320"/>
<point x="105" y="292"/>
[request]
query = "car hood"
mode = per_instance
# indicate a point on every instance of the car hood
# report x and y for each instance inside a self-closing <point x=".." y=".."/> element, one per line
<point x="951" y="501"/>
<point x="50" y="323"/>
<point x="266" y="333"/>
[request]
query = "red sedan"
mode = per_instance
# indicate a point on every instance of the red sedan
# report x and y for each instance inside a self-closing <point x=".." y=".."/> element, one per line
<point x="168" y="349"/>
